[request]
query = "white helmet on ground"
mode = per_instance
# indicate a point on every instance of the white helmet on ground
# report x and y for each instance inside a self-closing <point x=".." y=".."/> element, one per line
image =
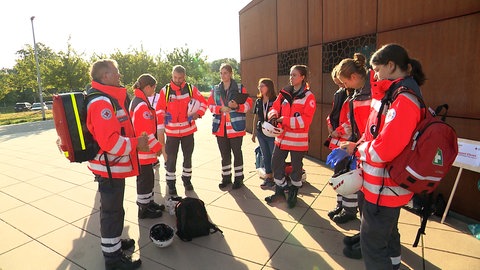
<point x="347" y="183"/>
<point x="270" y="130"/>
<point x="161" y="234"/>
<point x="193" y="107"/>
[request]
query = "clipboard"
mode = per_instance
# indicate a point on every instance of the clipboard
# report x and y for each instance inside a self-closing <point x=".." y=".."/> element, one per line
<point x="240" y="98"/>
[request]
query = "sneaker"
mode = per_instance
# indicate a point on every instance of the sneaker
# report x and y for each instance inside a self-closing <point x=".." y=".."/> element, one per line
<point x="224" y="184"/>
<point x="127" y="243"/>
<point x="343" y="217"/>
<point x="353" y="252"/>
<point x="268" y="183"/>
<point x="123" y="262"/>
<point x="351" y="240"/>
<point x="292" y="196"/>
<point x="147" y="211"/>
<point x="157" y="206"/>
<point x="237" y="184"/>
<point x="334" y="212"/>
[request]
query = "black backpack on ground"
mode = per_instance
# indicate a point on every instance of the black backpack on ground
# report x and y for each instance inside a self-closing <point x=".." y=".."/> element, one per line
<point x="192" y="219"/>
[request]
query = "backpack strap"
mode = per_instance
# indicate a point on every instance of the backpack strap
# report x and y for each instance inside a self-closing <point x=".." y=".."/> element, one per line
<point x="215" y="229"/>
<point x="388" y="99"/>
<point x="426" y="200"/>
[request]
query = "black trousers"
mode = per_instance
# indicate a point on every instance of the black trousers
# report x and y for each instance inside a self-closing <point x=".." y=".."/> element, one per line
<point x="226" y="147"/>
<point x="112" y="214"/>
<point x="379" y="236"/>
<point x="171" y="148"/>
<point x="145" y="183"/>
<point x="278" y="166"/>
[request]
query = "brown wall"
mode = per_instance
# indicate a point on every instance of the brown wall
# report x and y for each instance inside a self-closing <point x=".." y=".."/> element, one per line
<point x="445" y="39"/>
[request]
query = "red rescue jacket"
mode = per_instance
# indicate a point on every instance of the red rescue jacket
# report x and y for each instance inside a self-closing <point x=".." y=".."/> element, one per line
<point x="144" y="120"/>
<point x="113" y="131"/>
<point x="176" y="105"/>
<point x="297" y="117"/>
<point x="396" y="128"/>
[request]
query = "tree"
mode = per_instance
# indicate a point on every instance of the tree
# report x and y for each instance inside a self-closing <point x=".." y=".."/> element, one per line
<point x="69" y="71"/>
<point x="132" y="64"/>
<point x="195" y="64"/>
<point x="215" y="67"/>
<point x="72" y="74"/>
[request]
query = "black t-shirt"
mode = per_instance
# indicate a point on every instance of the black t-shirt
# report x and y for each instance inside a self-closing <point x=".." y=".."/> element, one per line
<point x="261" y="110"/>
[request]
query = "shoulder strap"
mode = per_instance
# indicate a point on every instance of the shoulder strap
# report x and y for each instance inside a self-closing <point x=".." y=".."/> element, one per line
<point x="190" y="91"/>
<point x="427" y="200"/>
<point x="355" y="131"/>
<point x="167" y="92"/>
<point x="94" y="92"/>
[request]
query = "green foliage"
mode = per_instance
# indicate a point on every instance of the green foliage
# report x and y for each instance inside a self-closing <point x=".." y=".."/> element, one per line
<point x="69" y="71"/>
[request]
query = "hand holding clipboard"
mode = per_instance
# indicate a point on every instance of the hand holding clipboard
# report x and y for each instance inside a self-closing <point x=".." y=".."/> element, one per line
<point x="240" y="98"/>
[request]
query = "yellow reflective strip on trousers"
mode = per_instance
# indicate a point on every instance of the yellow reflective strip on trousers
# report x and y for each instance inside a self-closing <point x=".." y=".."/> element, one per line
<point x="79" y="124"/>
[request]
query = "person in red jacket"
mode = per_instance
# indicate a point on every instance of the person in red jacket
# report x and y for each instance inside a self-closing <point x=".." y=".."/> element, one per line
<point x="229" y="123"/>
<point x="357" y="107"/>
<point x="173" y="107"/>
<point x="144" y="121"/>
<point x="293" y="111"/>
<point x="339" y="129"/>
<point x="117" y="158"/>
<point x="380" y="144"/>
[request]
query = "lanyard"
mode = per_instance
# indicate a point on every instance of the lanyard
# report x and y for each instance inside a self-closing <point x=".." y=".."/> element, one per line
<point x="265" y="107"/>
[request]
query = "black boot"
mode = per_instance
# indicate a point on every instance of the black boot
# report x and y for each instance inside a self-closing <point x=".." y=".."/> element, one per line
<point x="122" y="262"/>
<point x="157" y="206"/>
<point x="351" y="240"/>
<point x="292" y="196"/>
<point x="344" y="217"/>
<point x="127" y="243"/>
<point x="225" y="182"/>
<point x="334" y="212"/>
<point x="188" y="185"/>
<point x="172" y="190"/>
<point x="353" y="252"/>
<point x="148" y="211"/>
<point x="279" y="194"/>
<point x="237" y="184"/>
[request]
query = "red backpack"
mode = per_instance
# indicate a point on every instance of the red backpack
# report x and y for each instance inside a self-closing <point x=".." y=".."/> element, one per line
<point x="426" y="159"/>
<point x="428" y="156"/>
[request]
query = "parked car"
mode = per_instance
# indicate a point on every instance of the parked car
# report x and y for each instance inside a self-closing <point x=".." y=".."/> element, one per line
<point x="22" y="106"/>
<point x="49" y="104"/>
<point x="37" y="106"/>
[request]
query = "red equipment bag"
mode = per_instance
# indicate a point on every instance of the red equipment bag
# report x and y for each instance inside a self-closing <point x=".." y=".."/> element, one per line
<point x="429" y="155"/>
<point x="69" y="113"/>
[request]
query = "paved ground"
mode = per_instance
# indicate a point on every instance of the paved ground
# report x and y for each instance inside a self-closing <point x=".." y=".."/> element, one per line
<point x="49" y="216"/>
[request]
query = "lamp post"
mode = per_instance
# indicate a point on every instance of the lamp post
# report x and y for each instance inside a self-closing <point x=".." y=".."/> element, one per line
<point x="39" y="80"/>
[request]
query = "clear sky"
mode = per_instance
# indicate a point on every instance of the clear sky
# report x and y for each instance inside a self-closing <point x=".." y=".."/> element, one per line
<point x="102" y="26"/>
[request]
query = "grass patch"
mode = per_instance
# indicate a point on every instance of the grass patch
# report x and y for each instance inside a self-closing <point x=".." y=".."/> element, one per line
<point x="23" y="117"/>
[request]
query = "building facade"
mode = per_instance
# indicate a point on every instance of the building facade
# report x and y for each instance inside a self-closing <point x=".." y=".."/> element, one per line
<point x="444" y="35"/>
